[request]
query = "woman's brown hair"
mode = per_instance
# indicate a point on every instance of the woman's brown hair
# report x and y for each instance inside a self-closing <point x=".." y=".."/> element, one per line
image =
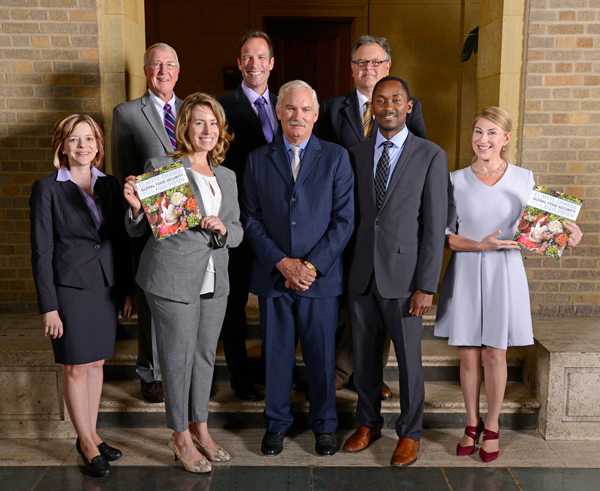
<point x="184" y="116"/>
<point x="63" y="129"/>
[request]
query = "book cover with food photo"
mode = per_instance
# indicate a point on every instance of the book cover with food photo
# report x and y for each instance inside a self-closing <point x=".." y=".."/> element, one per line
<point x="541" y="227"/>
<point x="168" y="200"/>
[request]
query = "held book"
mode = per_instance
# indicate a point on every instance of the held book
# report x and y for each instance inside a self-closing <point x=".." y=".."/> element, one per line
<point x="168" y="200"/>
<point x="541" y="227"/>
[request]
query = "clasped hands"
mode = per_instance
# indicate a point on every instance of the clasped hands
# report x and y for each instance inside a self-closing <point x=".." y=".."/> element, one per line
<point x="210" y="223"/>
<point x="297" y="275"/>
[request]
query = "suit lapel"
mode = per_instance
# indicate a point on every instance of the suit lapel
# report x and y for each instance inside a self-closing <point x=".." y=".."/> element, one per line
<point x="281" y="161"/>
<point x="273" y="98"/>
<point x="352" y="113"/>
<point x="155" y="122"/>
<point x="187" y="165"/>
<point x="364" y="170"/>
<point x="74" y="196"/>
<point x="409" y="147"/>
<point x="105" y="204"/>
<point x="312" y="153"/>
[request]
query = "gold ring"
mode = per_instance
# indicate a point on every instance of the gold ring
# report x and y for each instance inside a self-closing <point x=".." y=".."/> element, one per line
<point x="302" y="282"/>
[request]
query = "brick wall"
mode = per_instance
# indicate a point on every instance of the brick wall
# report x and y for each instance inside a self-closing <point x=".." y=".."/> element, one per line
<point x="49" y="67"/>
<point x="561" y="143"/>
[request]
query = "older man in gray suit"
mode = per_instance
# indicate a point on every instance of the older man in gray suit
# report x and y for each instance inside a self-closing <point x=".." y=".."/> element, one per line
<point x="142" y="129"/>
<point x="401" y="195"/>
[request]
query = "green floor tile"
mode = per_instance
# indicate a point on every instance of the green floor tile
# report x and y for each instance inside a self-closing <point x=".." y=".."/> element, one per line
<point x="260" y="479"/>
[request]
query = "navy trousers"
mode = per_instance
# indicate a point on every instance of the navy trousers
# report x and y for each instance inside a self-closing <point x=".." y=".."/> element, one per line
<point x="316" y="321"/>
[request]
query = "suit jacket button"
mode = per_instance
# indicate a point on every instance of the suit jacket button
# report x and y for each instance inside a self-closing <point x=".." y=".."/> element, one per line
<point x="96" y="246"/>
<point x="377" y="222"/>
<point x="294" y="200"/>
<point x="209" y="244"/>
<point x="293" y="223"/>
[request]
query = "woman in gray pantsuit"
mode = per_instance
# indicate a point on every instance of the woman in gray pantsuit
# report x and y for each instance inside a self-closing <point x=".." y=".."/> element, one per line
<point x="185" y="277"/>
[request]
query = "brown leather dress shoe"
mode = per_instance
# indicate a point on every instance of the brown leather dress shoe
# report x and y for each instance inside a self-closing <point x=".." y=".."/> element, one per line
<point x="153" y="392"/>
<point x="405" y="453"/>
<point x="386" y="392"/>
<point x="360" y="439"/>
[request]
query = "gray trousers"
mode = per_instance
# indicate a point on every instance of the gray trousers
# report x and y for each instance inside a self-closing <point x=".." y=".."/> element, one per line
<point x="186" y="338"/>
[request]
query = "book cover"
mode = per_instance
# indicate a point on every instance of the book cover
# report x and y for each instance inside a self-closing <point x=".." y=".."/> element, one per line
<point x="541" y="227"/>
<point x="168" y="200"/>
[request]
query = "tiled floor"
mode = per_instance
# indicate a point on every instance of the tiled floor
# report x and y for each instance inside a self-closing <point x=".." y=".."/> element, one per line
<point x="527" y="462"/>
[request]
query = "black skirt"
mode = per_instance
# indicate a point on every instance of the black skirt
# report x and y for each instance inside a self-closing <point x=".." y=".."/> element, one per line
<point x="89" y="318"/>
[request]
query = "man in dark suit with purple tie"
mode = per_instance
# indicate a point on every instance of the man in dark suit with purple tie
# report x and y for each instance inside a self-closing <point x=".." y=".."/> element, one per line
<point x="298" y="215"/>
<point x="250" y="111"/>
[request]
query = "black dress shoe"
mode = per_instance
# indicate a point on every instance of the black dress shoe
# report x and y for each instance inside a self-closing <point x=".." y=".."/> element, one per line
<point x="153" y="391"/>
<point x="98" y="467"/>
<point x="326" y="444"/>
<point x="108" y="452"/>
<point x="244" y="389"/>
<point x="272" y="443"/>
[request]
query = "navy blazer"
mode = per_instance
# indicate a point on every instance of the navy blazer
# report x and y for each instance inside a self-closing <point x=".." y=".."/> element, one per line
<point x="246" y="128"/>
<point x="66" y="248"/>
<point x="340" y="122"/>
<point x="310" y="219"/>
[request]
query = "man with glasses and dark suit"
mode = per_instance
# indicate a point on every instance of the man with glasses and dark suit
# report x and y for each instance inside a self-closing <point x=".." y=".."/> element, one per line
<point x="142" y="129"/>
<point x="348" y="120"/>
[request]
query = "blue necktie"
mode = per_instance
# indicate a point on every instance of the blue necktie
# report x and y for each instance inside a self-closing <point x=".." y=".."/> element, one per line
<point x="170" y="125"/>
<point x="265" y="122"/>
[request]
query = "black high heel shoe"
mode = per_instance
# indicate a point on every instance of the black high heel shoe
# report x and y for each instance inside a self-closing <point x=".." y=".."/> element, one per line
<point x="98" y="467"/>
<point x="108" y="452"/>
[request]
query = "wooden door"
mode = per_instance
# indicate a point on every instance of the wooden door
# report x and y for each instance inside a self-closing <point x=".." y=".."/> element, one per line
<point x="316" y="50"/>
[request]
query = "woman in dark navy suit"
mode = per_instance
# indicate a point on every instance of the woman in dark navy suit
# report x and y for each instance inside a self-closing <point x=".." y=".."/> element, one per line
<point x="82" y="272"/>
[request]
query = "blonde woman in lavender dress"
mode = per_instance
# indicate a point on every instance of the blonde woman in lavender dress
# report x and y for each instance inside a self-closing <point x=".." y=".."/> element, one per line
<point x="484" y="299"/>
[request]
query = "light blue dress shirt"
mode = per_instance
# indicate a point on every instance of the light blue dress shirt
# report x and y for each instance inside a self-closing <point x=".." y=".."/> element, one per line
<point x="395" y="151"/>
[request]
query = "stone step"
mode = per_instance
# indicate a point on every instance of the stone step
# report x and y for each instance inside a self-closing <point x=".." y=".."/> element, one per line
<point x="122" y="406"/>
<point x="440" y="361"/>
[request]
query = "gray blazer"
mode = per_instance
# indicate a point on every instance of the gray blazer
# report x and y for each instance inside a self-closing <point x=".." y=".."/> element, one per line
<point x="174" y="268"/>
<point x="403" y="242"/>
<point x="138" y="134"/>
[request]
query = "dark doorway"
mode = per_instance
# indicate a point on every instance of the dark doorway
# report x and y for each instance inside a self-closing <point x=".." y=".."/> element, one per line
<point x="316" y="50"/>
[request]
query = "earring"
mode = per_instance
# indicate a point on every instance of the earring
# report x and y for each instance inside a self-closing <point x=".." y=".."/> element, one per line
<point x="503" y="148"/>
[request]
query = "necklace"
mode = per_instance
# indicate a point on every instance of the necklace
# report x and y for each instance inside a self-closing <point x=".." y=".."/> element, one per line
<point x="499" y="169"/>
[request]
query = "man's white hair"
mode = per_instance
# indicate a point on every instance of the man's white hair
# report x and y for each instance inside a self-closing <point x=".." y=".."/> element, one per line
<point x="160" y="46"/>
<point x="296" y="84"/>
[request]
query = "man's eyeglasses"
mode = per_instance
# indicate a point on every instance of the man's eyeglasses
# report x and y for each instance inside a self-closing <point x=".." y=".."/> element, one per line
<point x="364" y="63"/>
<point x="157" y="65"/>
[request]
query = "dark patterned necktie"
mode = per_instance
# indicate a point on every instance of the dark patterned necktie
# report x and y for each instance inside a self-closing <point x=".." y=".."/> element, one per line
<point x="265" y="122"/>
<point x="381" y="174"/>
<point x="170" y="125"/>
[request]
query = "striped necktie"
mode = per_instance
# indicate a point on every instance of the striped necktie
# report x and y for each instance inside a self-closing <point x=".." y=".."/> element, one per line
<point x="367" y="121"/>
<point x="170" y="125"/>
<point x="381" y="174"/>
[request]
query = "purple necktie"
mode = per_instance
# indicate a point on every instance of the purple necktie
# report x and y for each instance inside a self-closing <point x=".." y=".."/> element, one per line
<point x="170" y="125"/>
<point x="265" y="122"/>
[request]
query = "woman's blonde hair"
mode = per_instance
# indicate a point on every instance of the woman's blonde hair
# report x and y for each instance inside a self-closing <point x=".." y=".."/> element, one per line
<point x="184" y="116"/>
<point x="64" y="128"/>
<point x="501" y="119"/>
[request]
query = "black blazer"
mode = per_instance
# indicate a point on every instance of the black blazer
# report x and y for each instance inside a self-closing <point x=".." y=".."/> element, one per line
<point x="340" y="122"/>
<point x="245" y="125"/>
<point x="66" y="248"/>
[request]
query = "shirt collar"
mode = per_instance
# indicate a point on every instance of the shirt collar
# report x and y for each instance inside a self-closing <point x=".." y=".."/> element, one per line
<point x="252" y="96"/>
<point x="361" y="98"/>
<point x="159" y="102"/>
<point x="65" y="175"/>
<point x="398" y="139"/>
<point x="288" y="145"/>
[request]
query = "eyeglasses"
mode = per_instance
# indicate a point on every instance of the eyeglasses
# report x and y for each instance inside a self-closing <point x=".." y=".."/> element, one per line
<point x="157" y="65"/>
<point x="373" y="63"/>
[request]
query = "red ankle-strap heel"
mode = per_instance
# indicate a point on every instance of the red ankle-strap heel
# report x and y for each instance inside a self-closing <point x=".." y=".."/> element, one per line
<point x="472" y="432"/>
<point x="489" y="456"/>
